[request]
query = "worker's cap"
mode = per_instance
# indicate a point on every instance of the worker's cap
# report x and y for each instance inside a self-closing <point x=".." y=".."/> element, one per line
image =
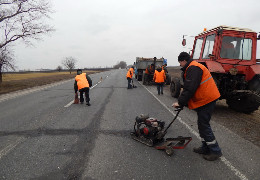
<point x="152" y="64"/>
<point x="79" y="71"/>
<point x="183" y="56"/>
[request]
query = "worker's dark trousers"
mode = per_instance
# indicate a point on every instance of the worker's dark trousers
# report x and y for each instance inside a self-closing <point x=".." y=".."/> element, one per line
<point x="129" y="83"/>
<point x="160" y="88"/>
<point x="86" y="91"/>
<point x="208" y="139"/>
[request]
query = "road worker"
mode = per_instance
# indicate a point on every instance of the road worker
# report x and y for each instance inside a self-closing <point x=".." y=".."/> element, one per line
<point x="129" y="77"/>
<point x="82" y="84"/>
<point x="159" y="78"/>
<point x="200" y="93"/>
<point x="164" y="67"/>
<point x="149" y="71"/>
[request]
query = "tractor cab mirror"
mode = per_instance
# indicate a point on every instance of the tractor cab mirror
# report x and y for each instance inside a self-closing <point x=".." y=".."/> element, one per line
<point x="184" y="42"/>
<point x="258" y="37"/>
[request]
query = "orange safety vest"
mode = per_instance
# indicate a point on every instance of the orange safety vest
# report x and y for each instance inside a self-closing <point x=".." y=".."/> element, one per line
<point x="82" y="81"/>
<point x="147" y="71"/>
<point x="207" y="90"/>
<point x="130" y="73"/>
<point x="159" y="77"/>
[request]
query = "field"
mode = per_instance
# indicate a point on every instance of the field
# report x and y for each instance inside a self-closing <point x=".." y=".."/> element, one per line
<point x="18" y="81"/>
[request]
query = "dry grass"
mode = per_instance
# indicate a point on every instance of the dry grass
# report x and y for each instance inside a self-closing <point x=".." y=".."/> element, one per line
<point x="19" y="81"/>
<point x="22" y="76"/>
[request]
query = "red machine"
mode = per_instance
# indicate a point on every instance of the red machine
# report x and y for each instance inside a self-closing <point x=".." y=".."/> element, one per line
<point x="230" y="55"/>
<point x="151" y="132"/>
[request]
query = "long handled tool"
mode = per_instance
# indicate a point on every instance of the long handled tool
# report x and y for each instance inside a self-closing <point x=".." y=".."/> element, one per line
<point x="151" y="132"/>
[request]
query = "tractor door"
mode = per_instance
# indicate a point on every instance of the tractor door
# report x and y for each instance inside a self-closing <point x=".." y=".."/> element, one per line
<point x="204" y="47"/>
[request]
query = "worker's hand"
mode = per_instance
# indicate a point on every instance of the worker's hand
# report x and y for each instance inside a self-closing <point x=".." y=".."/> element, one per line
<point x="175" y="105"/>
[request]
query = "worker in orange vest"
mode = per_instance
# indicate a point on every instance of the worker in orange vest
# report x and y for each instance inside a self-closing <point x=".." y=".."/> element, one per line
<point x="82" y="84"/>
<point x="200" y="93"/>
<point x="149" y="71"/>
<point x="159" y="78"/>
<point x="129" y="77"/>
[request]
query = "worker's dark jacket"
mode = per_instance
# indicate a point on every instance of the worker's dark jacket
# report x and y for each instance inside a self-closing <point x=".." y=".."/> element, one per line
<point x="191" y="83"/>
<point x="89" y="82"/>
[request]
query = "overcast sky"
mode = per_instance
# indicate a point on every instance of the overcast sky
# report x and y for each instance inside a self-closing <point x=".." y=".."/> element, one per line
<point x="104" y="32"/>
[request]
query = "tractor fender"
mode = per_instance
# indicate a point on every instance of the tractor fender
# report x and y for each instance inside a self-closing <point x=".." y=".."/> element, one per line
<point x="214" y="66"/>
<point x="253" y="70"/>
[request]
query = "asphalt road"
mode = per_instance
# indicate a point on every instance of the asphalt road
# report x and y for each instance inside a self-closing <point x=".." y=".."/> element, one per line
<point x="44" y="136"/>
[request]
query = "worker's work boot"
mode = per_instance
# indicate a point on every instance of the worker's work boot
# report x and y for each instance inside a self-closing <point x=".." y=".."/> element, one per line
<point x="212" y="156"/>
<point x="215" y="152"/>
<point x="88" y="104"/>
<point x="203" y="149"/>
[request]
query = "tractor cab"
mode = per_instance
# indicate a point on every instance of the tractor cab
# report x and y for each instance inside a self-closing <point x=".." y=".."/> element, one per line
<point x="229" y="53"/>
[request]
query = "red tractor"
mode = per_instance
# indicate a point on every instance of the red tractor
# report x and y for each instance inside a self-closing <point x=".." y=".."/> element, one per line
<point x="230" y="55"/>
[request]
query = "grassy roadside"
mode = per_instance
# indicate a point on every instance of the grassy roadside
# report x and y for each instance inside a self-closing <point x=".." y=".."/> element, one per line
<point x="19" y="81"/>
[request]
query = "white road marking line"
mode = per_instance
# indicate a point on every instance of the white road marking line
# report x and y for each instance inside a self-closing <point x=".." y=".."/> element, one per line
<point x="11" y="146"/>
<point x="223" y="159"/>
<point x="71" y="102"/>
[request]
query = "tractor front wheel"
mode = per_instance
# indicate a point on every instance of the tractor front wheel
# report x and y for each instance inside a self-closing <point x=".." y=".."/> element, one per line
<point x="245" y="104"/>
<point x="175" y="87"/>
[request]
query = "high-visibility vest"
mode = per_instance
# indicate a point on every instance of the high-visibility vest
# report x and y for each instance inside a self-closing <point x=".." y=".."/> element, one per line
<point x="82" y="81"/>
<point x="207" y="90"/>
<point x="130" y="73"/>
<point x="149" y="69"/>
<point x="159" y="77"/>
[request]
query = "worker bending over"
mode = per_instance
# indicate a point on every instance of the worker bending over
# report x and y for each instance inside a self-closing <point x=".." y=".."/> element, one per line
<point x="82" y="84"/>
<point x="149" y="71"/>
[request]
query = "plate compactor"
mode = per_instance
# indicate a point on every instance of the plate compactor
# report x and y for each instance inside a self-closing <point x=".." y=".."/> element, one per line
<point x="151" y="132"/>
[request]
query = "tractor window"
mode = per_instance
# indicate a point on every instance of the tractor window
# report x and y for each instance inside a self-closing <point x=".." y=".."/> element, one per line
<point x="236" y="48"/>
<point x="208" y="48"/>
<point x="197" y="50"/>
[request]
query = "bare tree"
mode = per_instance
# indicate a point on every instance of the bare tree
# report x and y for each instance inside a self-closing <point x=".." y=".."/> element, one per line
<point x="121" y="64"/>
<point x="6" y="61"/>
<point x="59" y="68"/>
<point x="23" y="19"/>
<point x="69" y="63"/>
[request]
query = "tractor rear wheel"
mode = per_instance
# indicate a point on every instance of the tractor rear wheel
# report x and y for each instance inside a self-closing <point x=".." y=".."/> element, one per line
<point x="175" y="87"/>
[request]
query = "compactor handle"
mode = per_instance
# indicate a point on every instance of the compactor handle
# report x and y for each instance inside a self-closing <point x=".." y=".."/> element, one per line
<point x="178" y="108"/>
